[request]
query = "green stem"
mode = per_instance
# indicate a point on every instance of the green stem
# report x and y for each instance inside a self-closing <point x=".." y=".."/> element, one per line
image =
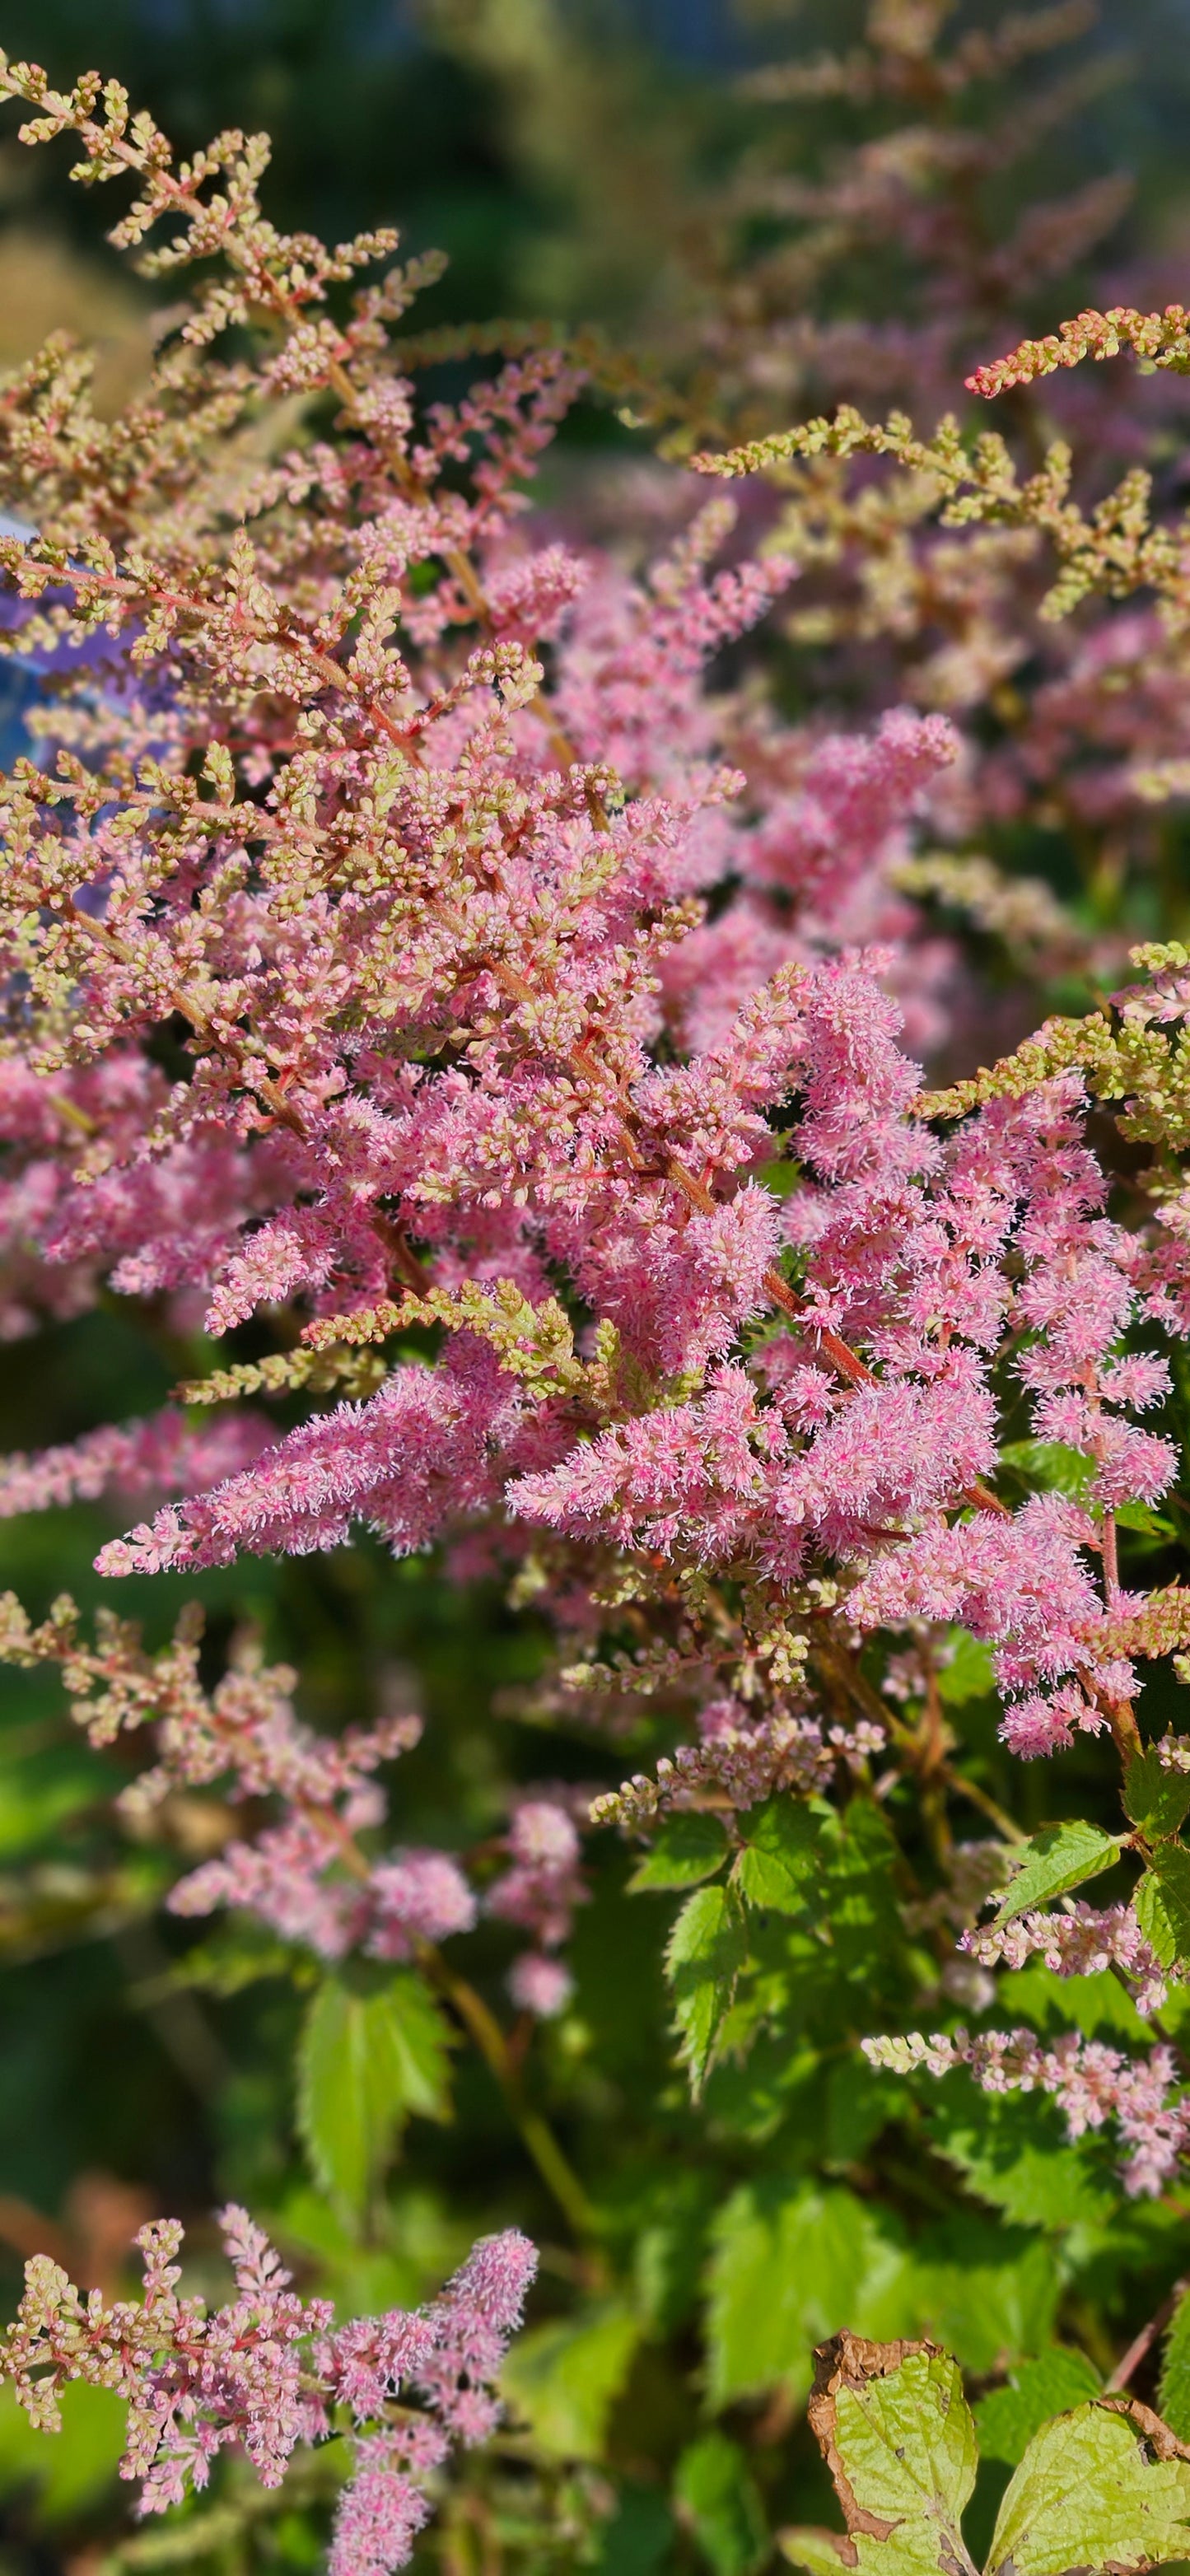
<point x="556" y="2171"/>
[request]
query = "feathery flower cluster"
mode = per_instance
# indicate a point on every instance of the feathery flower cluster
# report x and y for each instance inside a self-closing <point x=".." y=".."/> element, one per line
<point x="1091" y="2083"/>
<point x="306" y="1875"/>
<point x="1079" y="1943"/>
<point x="270" y="2370"/>
<point x="163" y="1455"/>
<point x="742" y="1759"/>
<point x="449" y="910"/>
<point x="539" y="1891"/>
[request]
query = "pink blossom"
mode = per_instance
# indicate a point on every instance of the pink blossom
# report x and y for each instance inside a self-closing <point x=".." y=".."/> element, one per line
<point x="379" y="2513"/>
<point x="539" y="1985"/>
<point x="543" y="1884"/>
<point x="161" y="1455"/>
<point x="417" y="1895"/>
<point x="1077" y="1943"/>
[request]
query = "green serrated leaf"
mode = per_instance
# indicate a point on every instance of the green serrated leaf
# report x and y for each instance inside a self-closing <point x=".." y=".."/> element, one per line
<point x="1162" y="1903"/>
<point x="1013" y="2154"/>
<point x="704" y="1955"/>
<point x="896" y="2434"/>
<point x="1051" y="1465"/>
<point x="71" y="2474"/>
<point x="369" y="2056"/>
<point x="1097" y="2006"/>
<point x="969" y="1673"/>
<point x="719" y="2502"/>
<point x="1086" y="2495"/>
<point x="788" y="2263"/>
<point x="563" y="2378"/>
<point x="1056" y="1859"/>
<point x="687" y="1849"/>
<point x="417" y="2038"/>
<point x="1154" y="1798"/>
<point x="895" y="2430"/>
<point x="1147" y="1523"/>
<point x="987" y="2293"/>
<point x="776" y="1867"/>
<point x="1174" y="2397"/>
<point x="1007" y="2420"/>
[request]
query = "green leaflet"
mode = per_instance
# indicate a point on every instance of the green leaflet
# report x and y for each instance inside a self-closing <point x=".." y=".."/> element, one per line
<point x="896" y="2433"/>
<point x="564" y="2378"/>
<point x="717" y="2498"/>
<point x="986" y="2292"/>
<point x="1007" y="2420"/>
<point x="1088" y="2495"/>
<point x="1101" y="2487"/>
<point x="1146" y="1523"/>
<point x="1175" y="2372"/>
<point x="370" y="2054"/>
<point x="1163" y="1903"/>
<point x="1154" y="1798"/>
<point x="73" y="2472"/>
<point x="969" y="1674"/>
<point x="1096" y="2005"/>
<point x="1013" y="2152"/>
<point x="703" y="1958"/>
<point x="787" y="2264"/>
<point x="777" y="1865"/>
<point x="826" y="1947"/>
<point x="1050" y="1464"/>
<point x="1058" y="1858"/>
<point x="833" y="1874"/>
<point x="687" y="1849"/>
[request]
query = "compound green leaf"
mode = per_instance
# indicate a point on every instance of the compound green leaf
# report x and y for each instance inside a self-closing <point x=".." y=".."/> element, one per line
<point x="986" y="2292"/>
<point x="705" y="1953"/>
<point x="788" y="2263"/>
<point x="1096" y="2005"/>
<point x="1154" y="1798"/>
<point x="718" y="2501"/>
<point x="1088" y="2494"/>
<point x="895" y="2430"/>
<point x="370" y="2054"/>
<point x="688" y="1849"/>
<point x="1013" y="2152"/>
<point x="776" y="1867"/>
<point x="1058" y="1858"/>
<point x="1007" y="2420"/>
<point x="1175" y="2372"/>
<point x="1163" y="1903"/>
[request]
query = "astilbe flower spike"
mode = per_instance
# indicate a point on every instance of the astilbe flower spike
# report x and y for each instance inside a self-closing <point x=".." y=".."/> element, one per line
<point x="1080" y="1942"/>
<point x="270" y="2370"/>
<point x="1092" y="2083"/>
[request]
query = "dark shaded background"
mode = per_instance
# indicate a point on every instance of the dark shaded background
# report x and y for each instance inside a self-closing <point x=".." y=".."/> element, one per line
<point x="547" y="145"/>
